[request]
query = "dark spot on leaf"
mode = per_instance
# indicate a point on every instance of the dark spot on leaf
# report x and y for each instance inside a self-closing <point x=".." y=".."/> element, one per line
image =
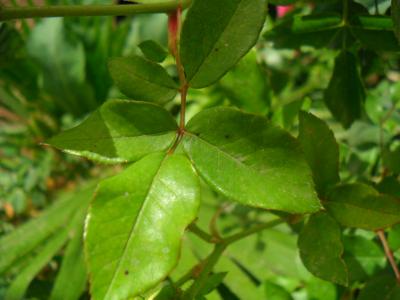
<point x="227" y="136"/>
<point x="216" y="49"/>
<point x="126" y="272"/>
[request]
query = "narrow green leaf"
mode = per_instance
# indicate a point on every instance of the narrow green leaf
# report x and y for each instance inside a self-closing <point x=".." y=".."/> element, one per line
<point x="246" y="85"/>
<point x="18" y="287"/>
<point x="361" y="206"/>
<point x="28" y="236"/>
<point x="153" y="51"/>
<point x="314" y="30"/>
<point x="249" y="160"/>
<point x="374" y="32"/>
<point x="382" y="287"/>
<point x="321" y="151"/>
<point x="345" y="94"/>
<point x="71" y="279"/>
<point x="119" y="131"/>
<point x="136" y="223"/>
<point x="209" y="49"/>
<point x="321" y="249"/>
<point x="141" y="79"/>
<point x="395" y="9"/>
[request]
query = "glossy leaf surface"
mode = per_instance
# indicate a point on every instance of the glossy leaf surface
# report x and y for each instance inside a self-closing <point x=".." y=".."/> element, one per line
<point x="345" y="94"/>
<point x="249" y="160"/>
<point x="120" y="130"/>
<point x="320" y="149"/>
<point x="136" y="223"/>
<point x="216" y="34"/>
<point x="141" y="79"/>
<point x="361" y="206"/>
<point x="321" y="249"/>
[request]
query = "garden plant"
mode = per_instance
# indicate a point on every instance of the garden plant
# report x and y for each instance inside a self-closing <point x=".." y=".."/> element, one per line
<point x="231" y="152"/>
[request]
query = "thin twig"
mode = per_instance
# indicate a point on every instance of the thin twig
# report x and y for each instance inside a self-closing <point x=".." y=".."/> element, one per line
<point x="202" y="234"/>
<point x="389" y="254"/>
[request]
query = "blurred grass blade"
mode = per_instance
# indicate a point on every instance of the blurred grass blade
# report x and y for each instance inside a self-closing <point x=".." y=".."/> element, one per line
<point x="30" y="235"/>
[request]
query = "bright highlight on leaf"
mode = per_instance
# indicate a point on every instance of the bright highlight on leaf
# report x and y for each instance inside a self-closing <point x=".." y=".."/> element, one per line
<point x="141" y="79"/>
<point x="249" y="160"/>
<point x="119" y="131"/>
<point x="135" y="225"/>
<point x="216" y="34"/>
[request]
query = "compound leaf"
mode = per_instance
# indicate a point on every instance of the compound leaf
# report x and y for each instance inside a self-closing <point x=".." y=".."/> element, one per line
<point x="216" y="34"/>
<point x="361" y="206"/>
<point x="321" y="248"/>
<point x="119" y="131"/>
<point x="136" y="223"/>
<point x="250" y="161"/>
<point x="141" y="79"/>
<point x="320" y="149"/>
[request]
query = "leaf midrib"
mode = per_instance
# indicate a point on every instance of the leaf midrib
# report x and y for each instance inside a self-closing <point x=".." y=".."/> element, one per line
<point x="136" y="221"/>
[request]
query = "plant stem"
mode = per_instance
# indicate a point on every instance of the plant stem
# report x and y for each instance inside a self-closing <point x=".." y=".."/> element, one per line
<point x="246" y="233"/>
<point x="389" y="254"/>
<point x="202" y="234"/>
<point x="207" y="265"/>
<point x="10" y="13"/>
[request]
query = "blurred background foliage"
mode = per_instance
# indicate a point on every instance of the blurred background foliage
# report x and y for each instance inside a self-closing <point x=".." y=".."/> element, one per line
<point x="54" y="72"/>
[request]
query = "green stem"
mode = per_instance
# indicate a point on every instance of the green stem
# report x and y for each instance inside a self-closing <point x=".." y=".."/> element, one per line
<point x="10" y="13"/>
<point x="207" y="265"/>
<point x="202" y="234"/>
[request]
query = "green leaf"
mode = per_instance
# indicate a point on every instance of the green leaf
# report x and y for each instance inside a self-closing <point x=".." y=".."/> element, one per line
<point x="31" y="234"/>
<point x="394" y="238"/>
<point x="209" y="49"/>
<point x="391" y="159"/>
<point x="363" y="257"/>
<point x="383" y="287"/>
<point x="71" y="279"/>
<point x="345" y="94"/>
<point x="275" y="292"/>
<point x="141" y="79"/>
<point x="135" y="225"/>
<point x="321" y="249"/>
<point x="62" y="62"/>
<point x="395" y="9"/>
<point x="361" y="206"/>
<point x="119" y="131"/>
<point x="246" y="85"/>
<point x="314" y="30"/>
<point x="321" y="151"/>
<point x="374" y="32"/>
<point x="153" y="51"/>
<point x="212" y="282"/>
<point x="21" y="283"/>
<point x="248" y="160"/>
